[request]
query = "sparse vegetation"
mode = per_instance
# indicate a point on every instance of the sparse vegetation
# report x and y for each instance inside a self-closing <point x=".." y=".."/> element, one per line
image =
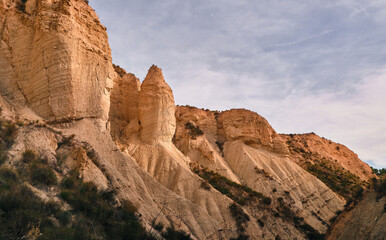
<point x="7" y="136"/>
<point x="379" y="186"/>
<point x="66" y="141"/>
<point x="334" y="176"/>
<point x="173" y="234"/>
<point x="121" y="72"/>
<point x="194" y="131"/>
<point x="29" y="156"/>
<point x="97" y="207"/>
<point x="41" y="173"/>
<point x="339" y="180"/>
<point x="20" y="5"/>
<point x="260" y="222"/>
<point x="240" y="217"/>
<point x="237" y="192"/>
<point x="379" y="172"/>
<point x="7" y="133"/>
<point x="299" y="223"/>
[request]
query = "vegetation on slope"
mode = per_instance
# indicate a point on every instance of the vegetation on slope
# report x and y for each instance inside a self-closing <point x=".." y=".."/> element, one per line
<point x="334" y="176"/>
<point x="82" y="211"/>
<point x="237" y="192"/>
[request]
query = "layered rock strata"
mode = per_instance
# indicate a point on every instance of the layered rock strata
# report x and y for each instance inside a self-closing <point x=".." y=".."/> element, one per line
<point x="55" y="59"/>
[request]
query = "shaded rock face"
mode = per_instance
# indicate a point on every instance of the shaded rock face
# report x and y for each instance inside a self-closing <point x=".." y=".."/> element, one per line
<point x="142" y="111"/>
<point x="156" y="108"/>
<point x="367" y="220"/>
<point x="124" y="105"/>
<point x="55" y="58"/>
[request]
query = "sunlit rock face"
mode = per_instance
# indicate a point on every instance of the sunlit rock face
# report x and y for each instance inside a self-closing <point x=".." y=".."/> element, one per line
<point x="55" y="59"/>
<point x="156" y="108"/>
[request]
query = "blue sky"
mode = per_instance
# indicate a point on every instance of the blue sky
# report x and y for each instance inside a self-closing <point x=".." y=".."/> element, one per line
<point x="306" y="66"/>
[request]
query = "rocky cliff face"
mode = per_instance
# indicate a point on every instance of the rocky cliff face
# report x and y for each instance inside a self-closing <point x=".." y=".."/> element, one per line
<point x="249" y="150"/>
<point x="213" y="174"/>
<point x="55" y="59"/>
<point x="334" y="153"/>
<point x="366" y="221"/>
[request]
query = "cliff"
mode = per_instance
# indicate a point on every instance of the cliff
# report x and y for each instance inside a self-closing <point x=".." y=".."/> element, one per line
<point x="213" y="175"/>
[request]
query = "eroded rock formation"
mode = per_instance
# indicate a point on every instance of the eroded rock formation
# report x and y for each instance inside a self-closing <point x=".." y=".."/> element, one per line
<point x="55" y="66"/>
<point x="156" y="108"/>
<point x="55" y="59"/>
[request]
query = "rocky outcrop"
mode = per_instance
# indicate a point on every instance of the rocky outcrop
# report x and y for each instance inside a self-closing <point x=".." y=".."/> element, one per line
<point x="249" y="127"/>
<point x="156" y="104"/>
<point x="124" y="106"/>
<point x="55" y="59"/>
<point x="242" y="146"/>
<point x="367" y="220"/>
<point x="55" y="66"/>
<point x="333" y="153"/>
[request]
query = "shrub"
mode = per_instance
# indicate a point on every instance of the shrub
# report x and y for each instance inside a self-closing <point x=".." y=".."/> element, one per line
<point x="66" y="140"/>
<point x="338" y="179"/>
<point x="205" y="185"/>
<point x="260" y="222"/>
<point x="7" y="133"/>
<point x="41" y="173"/>
<point x="194" y="131"/>
<point x="29" y="156"/>
<point x="21" y="5"/>
<point x="157" y="226"/>
<point x="241" y="236"/>
<point x="172" y="234"/>
<point x="239" y="216"/>
<point x="380" y="187"/>
<point x="239" y="193"/>
<point x="21" y="209"/>
<point x="267" y="200"/>
<point x="99" y="213"/>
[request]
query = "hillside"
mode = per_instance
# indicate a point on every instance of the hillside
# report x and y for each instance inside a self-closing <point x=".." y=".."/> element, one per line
<point x="97" y="154"/>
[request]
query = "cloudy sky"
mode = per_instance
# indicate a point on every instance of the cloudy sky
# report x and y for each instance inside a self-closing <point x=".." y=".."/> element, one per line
<point x="305" y="65"/>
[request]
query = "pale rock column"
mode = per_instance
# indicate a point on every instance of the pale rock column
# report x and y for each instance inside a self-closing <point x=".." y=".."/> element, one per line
<point x="156" y="108"/>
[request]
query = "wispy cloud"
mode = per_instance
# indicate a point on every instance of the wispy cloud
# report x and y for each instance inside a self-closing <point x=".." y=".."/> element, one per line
<point x="304" y="65"/>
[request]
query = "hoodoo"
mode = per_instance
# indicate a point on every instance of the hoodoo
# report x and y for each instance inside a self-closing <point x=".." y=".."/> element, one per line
<point x="156" y="108"/>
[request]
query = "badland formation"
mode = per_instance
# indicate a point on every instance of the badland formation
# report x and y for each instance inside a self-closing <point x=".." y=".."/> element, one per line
<point x="96" y="144"/>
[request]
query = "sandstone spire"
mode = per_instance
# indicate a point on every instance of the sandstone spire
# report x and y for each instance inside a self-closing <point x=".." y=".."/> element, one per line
<point x="156" y="108"/>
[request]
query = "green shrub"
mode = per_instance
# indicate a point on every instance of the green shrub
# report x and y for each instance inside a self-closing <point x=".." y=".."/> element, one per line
<point x="8" y="178"/>
<point x="64" y="218"/>
<point x="379" y="172"/>
<point x="267" y="200"/>
<point x="239" y="216"/>
<point x="66" y="141"/>
<point x="29" y="156"/>
<point x="20" y="210"/>
<point x="7" y="133"/>
<point x="172" y="234"/>
<point x="338" y="179"/>
<point x="41" y="173"/>
<point x="194" y="131"/>
<point x="157" y="226"/>
<point x="96" y="207"/>
<point x="380" y="187"/>
<point x="239" y="193"/>
<point x="241" y="236"/>
<point x="260" y="222"/>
